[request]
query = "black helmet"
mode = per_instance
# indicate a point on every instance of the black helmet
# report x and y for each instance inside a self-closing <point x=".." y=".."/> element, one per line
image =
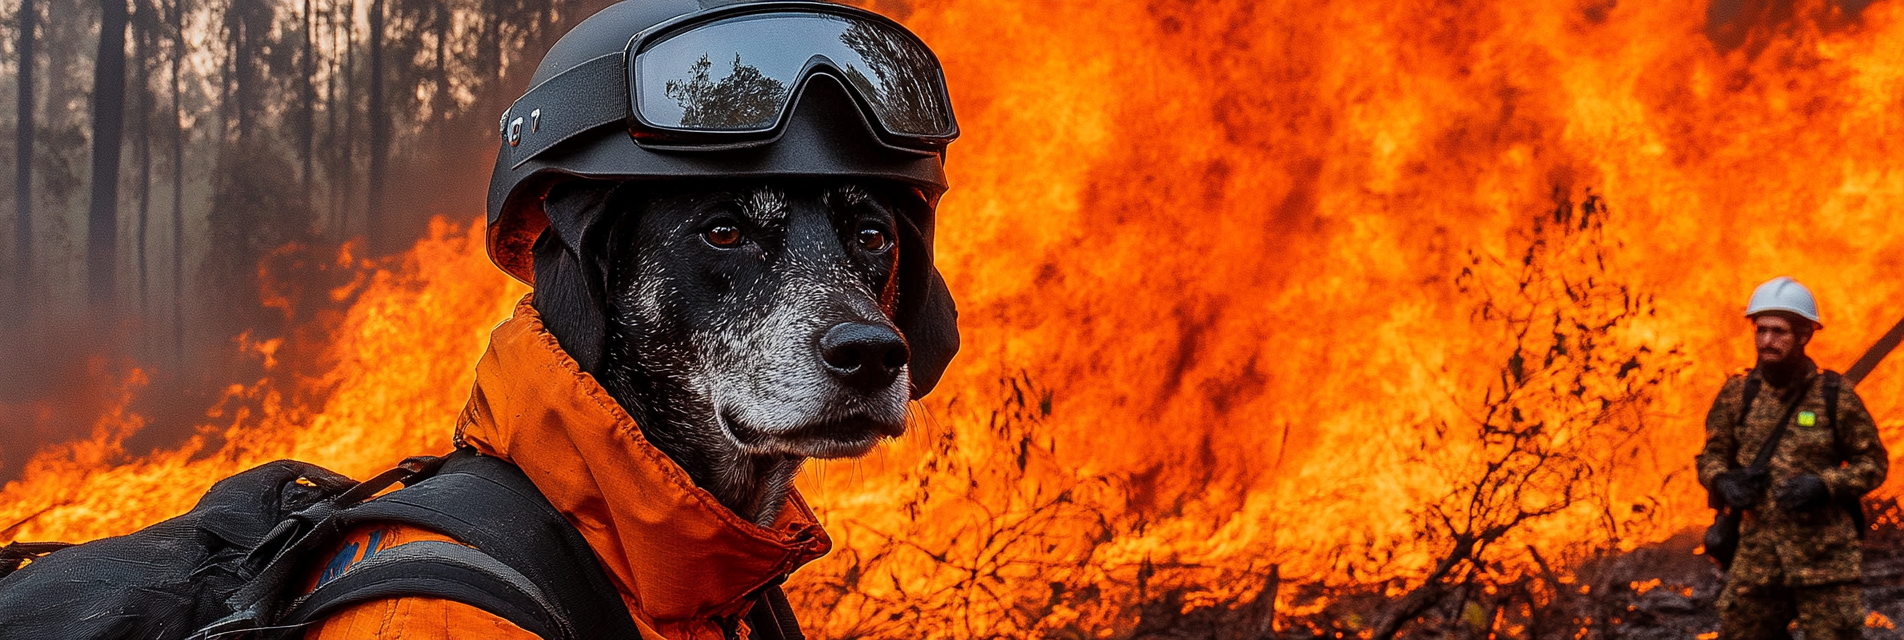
<point x="684" y="89"/>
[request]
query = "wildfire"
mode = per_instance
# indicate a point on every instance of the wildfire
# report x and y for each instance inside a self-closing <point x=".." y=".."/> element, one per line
<point x="1222" y="268"/>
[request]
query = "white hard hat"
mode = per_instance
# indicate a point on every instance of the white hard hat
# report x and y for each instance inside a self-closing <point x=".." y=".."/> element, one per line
<point x="1783" y="294"/>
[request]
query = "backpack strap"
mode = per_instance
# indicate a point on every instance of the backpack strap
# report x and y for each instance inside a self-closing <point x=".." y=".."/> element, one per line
<point x="1747" y="395"/>
<point x="1751" y="392"/>
<point x="1770" y="447"/>
<point x="278" y="554"/>
<point x="436" y="569"/>
<point x="528" y="565"/>
<point x="1834" y="383"/>
<point x="489" y="504"/>
<point x="772" y="617"/>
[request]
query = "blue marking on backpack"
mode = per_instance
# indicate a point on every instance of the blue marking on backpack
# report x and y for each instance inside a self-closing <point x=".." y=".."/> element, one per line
<point x="370" y="548"/>
<point x="345" y="557"/>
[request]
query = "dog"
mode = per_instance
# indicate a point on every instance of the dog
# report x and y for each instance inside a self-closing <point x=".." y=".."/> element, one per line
<point x="746" y="325"/>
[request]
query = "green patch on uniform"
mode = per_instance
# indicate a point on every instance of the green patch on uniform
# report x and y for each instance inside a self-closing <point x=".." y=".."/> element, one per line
<point x="1807" y="419"/>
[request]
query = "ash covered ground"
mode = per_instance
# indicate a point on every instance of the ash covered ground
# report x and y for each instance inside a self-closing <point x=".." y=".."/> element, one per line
<point x="1657" y="592"/>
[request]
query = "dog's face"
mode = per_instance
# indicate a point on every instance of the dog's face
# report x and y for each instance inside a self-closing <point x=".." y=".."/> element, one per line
<point x="753" y="321"/>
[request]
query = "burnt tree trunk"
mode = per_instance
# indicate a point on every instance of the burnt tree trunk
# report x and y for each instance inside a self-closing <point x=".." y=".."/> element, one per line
<point x="109" y="101"/>
<point x="307" y="128"/>
<point x="443" y="102"/>
<point x="141" y="138"/>
<point x="343" y="141"/>
<point x="379" y="129"/>
<point x="178" y="182"/>
<point x="489" y="48"/>
<point x="23" y="166"/>
<point x="331" y="63"/>
<point x="347" y="141"/>
<point x="239" y="39"/>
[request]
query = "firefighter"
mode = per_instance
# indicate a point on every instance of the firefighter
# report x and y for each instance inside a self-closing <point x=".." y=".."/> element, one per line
<point x="1799" y="549"/>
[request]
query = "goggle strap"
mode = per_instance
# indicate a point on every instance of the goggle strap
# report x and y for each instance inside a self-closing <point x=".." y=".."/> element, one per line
<point x="591" y="95"/>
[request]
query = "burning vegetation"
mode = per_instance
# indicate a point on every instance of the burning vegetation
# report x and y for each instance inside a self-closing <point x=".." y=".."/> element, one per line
<point x="1345" y="321"/>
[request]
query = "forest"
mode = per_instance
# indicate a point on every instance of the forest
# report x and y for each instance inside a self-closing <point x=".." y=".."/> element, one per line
<point x="177" y="163"/>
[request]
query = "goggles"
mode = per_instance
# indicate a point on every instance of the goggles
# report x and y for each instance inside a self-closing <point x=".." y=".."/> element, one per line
<point x="730" y="78"/>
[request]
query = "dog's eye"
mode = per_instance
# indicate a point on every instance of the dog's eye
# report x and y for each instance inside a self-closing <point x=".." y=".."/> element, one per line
<point x="873" y="240"/>
<point x="724" y="236"/>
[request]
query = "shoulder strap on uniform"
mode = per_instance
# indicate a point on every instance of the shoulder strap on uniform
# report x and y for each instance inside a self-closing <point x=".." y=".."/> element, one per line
<point x="1833" y="383"/>
<point x="441" y="570"/>
<point x="1752" y="383"/>
<point x="1747" y="395"/>
<point x="772" y="617"/>
<point x="1797" y="397"/>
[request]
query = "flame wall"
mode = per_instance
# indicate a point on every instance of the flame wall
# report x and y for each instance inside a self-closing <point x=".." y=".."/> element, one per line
<point x="1224" y="236"/>
<point x="1226" y="233"/>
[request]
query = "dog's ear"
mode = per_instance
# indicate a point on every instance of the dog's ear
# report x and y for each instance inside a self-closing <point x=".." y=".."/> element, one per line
<point x="927" y="316"/>
<point x="569" y="276"/>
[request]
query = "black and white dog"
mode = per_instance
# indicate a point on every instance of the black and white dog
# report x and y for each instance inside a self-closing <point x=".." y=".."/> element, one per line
<point x="746" y="325"/>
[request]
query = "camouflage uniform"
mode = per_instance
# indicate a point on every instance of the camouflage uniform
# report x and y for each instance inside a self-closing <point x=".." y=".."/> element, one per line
<point x="1795" y="564"/>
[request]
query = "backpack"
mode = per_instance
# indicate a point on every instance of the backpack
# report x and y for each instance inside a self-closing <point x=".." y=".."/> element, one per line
<point x="225" y="569"/>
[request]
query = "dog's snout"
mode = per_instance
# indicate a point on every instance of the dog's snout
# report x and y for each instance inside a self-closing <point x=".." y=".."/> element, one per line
<point x="864" y="356"/>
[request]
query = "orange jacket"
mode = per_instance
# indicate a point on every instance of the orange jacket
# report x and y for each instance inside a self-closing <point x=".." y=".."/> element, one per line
<point x="678" y="558"/>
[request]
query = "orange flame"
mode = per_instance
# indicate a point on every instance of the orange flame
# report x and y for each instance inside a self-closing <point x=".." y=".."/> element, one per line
<point x="1209" y="258"/>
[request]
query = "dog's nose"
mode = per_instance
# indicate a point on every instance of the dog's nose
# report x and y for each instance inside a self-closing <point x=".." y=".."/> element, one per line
<point x="863" y="355"/>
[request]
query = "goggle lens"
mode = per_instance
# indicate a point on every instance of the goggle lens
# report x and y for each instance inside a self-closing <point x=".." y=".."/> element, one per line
<point x="738" y="74"/>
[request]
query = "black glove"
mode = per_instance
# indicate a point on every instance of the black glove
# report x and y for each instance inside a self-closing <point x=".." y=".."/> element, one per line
<point x="1739" y="488"/>
<point x="1803" y="493"/>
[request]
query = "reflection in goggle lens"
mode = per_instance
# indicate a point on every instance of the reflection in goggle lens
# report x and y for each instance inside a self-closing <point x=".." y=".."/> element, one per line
<point x="737" y="74"/>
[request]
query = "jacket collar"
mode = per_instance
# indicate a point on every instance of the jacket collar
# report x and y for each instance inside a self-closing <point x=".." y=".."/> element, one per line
<point x="682" y="562"/>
